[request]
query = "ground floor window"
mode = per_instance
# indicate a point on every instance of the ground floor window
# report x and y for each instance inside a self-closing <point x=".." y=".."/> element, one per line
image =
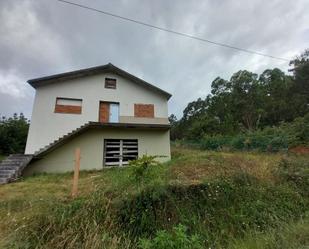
<point x="118" y="152"/>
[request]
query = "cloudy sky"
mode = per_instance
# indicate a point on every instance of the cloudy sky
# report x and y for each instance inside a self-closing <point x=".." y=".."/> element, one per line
<point x="43" y="37"/>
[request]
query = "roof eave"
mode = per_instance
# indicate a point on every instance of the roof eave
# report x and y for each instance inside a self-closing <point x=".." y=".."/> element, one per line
<point x="37" y="82"/>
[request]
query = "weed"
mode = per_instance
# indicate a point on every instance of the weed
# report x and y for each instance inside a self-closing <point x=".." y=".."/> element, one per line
<point x="176" y="239"/>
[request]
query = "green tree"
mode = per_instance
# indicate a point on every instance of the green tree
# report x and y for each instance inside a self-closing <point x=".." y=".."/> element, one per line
<point x="277" y="102"/>
<point x="300" y="69"/>
<point x="247" y="102"/>
<point x="13" y="134"/>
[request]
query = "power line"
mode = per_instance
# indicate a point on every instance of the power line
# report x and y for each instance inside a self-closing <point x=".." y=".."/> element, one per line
<point x="172" y="31"/>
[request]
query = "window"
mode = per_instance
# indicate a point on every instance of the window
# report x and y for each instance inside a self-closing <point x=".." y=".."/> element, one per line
<point x="144" y="110"/>
<point x="110" y="83"/>
<point x="68" y="105"/>
<point x="118" y="152"/>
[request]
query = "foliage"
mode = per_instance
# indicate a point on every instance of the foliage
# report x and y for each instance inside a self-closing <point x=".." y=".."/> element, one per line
<point x="140" y="168"/>
<point x="219" y="197"/>
<point x="287" y="236"/>
<point x="271" y="139"/>
<point x="242" y="201"/>
<point x="177" y="239"/>
<point x="247" y="102"/>
<point x="295" y="172"/>
<point x="301" y="75"/>
<point x="13" y="134"/>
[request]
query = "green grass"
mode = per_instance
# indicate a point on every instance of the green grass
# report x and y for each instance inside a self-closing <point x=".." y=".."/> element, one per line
<point x="289" y="236"/>
<point x="226" y="200"/>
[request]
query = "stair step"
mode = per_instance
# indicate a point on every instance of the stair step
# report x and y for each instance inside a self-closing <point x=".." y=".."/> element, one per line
<point x="8" y="167"/>
<point x="6" y="170"/>
<point x="11" y="167"/>
<point x="3" y="180"/>
<point x="6" y="163"/>
<point x="39" y="151"/>
<point x="7" y="176"/>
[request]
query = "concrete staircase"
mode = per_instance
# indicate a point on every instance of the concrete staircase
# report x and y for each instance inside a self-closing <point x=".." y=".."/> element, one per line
<point x="11" y="167"/>
<point x="62" y="139"/>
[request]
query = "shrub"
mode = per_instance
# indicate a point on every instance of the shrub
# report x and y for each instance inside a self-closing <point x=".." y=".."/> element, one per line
<point x="295" y="170"/>
<point x="140" y="168"/>
<point x="237" y="142"/>
<point x="272" y="139"/>
<point x="13" y="134"/>
<point x="213" y="142"/>
<point x="177" y="239"/>
<point x="205" y="209"/>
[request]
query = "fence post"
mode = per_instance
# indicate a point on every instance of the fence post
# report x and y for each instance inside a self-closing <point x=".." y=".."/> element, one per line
<point x="76" y="172"/>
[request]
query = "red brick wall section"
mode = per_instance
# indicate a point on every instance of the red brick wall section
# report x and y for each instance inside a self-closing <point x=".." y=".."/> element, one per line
<point x="144" y="110"/>
<point x="71" y="109"/>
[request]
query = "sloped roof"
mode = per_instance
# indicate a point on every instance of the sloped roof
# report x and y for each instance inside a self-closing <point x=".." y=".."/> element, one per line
<point x="108" y="68"/>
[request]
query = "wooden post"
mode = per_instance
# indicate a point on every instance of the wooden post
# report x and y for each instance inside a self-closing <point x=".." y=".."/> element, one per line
<point x="76" y="172"/>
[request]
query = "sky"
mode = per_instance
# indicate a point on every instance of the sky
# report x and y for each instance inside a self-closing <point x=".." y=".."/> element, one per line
<point x="44" y="37"/>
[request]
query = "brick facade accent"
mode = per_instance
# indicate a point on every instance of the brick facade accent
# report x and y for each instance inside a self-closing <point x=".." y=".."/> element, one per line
<point x="144" y="110"/>
<point x="70" y="109"/>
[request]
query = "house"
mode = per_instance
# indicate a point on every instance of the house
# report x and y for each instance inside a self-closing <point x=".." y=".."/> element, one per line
<point x="110" y="114"/>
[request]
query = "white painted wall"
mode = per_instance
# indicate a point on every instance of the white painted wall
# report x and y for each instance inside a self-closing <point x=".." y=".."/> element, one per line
<point x="46" y="126"/>
<point x="91" y="143"/>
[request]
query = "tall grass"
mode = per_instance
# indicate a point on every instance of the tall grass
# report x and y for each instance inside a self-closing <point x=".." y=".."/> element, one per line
<point x="288" y="236"/>
<point x="211" y="199"/>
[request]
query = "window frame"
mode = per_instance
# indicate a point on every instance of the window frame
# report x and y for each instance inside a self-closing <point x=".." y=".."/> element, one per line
<point x="122" y="144"/>
<point x="109" y="81"/>
<point x="68" y="109"/>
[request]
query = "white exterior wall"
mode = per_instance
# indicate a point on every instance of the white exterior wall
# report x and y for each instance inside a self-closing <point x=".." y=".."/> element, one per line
<point x="91" y="144"/>
<point x="46" y="126"/>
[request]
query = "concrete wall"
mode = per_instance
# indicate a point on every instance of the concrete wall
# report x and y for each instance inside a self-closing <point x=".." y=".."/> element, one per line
<point x="46" y="126"/>
<point x="91" y="143"/>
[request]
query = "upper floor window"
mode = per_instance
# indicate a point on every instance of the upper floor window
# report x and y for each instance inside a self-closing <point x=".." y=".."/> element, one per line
<point x="68" y="105"/>
<point x="110" y="83"/>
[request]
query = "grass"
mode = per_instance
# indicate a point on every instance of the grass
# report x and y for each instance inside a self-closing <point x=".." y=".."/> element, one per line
<point x="289" y="236"/>
<point x="228" y="200"/>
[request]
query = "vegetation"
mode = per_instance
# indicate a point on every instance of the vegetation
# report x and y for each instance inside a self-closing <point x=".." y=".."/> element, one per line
<point x="231" y="197"/>
<point x="271" y="139"/>
<point x="248" y="103"/>
<point x="13" y="134"/>
<point x="200" y="199"/>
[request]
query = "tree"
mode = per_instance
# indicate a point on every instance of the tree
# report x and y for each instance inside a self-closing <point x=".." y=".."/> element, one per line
<point x="301" y="77"/>
<point x="194" y="109"/>
<point x="279" y="105"/>
<point x="247" y="102"/>
<point x="172" y="119"/>
<point x="13" y="134"/>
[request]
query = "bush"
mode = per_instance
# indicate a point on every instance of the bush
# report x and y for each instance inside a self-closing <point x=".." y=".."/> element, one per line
<point x="214" y="142"/>
<point x="13" y="134"/>
<point x="177" y="239"/>
<point x="140" y="168"/>
<point x="205" y="209"/>
<point x="271" y="139"/>
<point x="295" y="170"/>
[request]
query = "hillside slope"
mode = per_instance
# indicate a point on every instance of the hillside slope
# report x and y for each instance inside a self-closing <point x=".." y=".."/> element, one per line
<point x="200" y="199"/>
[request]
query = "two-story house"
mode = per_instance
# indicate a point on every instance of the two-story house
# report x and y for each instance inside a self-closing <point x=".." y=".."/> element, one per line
<point x="111" y="115"/>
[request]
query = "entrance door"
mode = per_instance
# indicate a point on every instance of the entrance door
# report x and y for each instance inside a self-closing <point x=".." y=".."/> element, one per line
<point x="114" y="113"/>
<point x="109" y="112"/>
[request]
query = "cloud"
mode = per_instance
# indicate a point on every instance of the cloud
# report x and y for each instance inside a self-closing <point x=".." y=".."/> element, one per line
<point x="45" y="37"/>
